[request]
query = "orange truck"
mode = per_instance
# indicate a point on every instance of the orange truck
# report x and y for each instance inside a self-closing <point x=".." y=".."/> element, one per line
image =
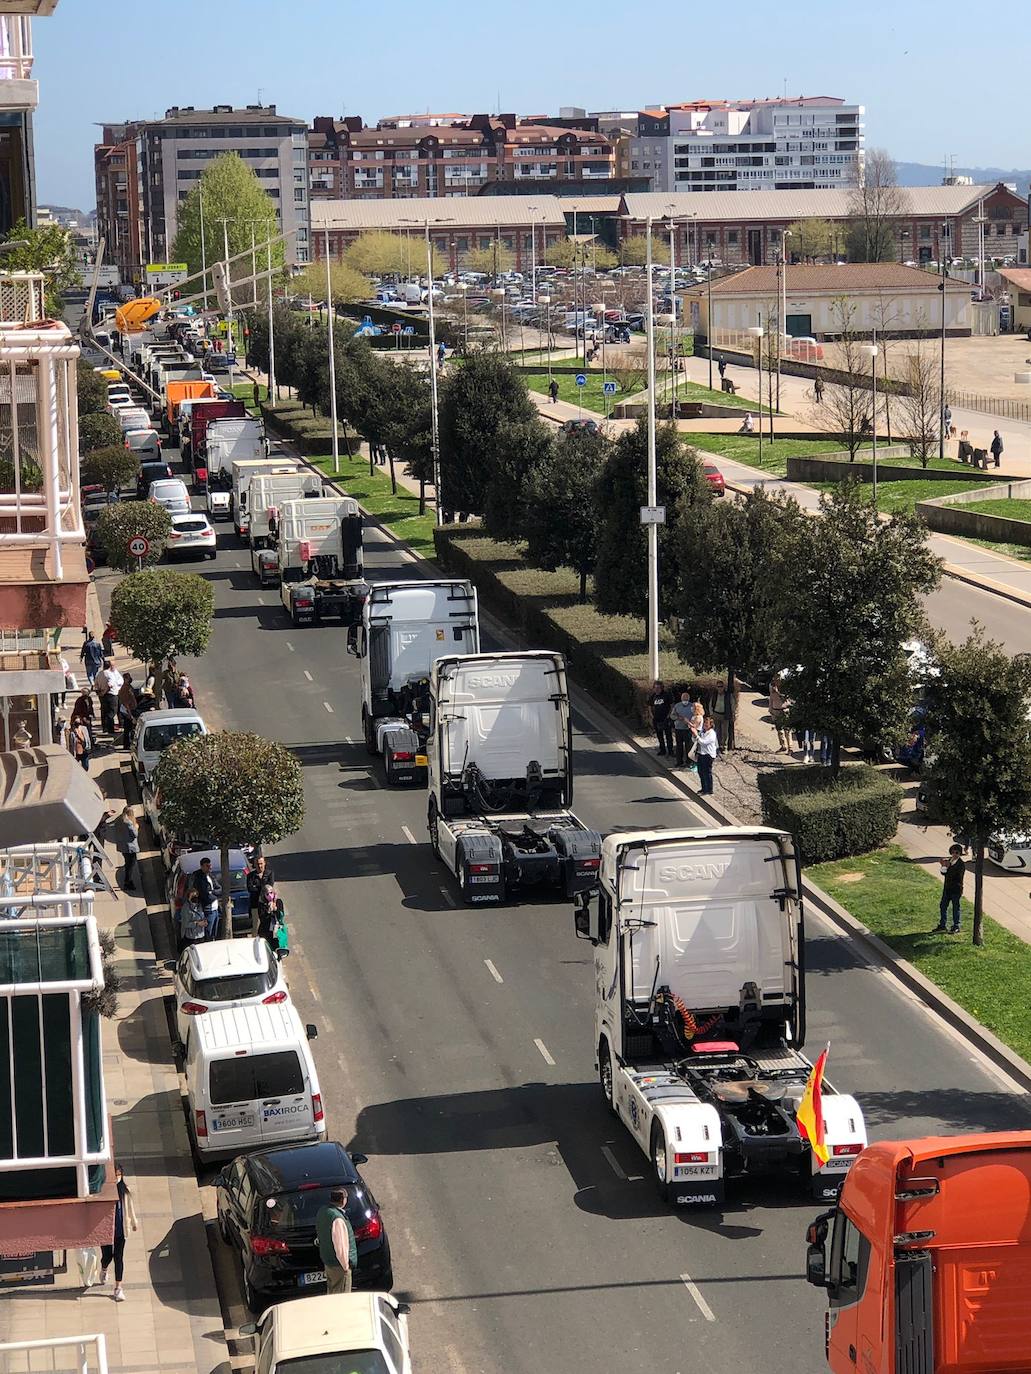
<point x="134" y="316"/>
<point x="177" y="392"/>
<point x="926" y="1258"/>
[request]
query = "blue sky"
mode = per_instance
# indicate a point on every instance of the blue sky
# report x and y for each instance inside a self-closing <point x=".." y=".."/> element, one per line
<point x="932" y="83"/>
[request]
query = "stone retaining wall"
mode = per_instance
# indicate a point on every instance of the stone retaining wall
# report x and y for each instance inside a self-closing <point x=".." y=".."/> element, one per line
<point x="945" y="514"/>
<point x="830" y="468"/>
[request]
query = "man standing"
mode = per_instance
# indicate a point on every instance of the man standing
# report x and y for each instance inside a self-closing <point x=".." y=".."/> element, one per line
<point x="952" y="870"/>
<point x="553" y="390"/>
<point x="996" y="448"/>
<point x="258" y="879"/>
<point x="203" y="894"/>
<point x="127" y="709"/>
<point x="108" y="684"/>
<point x="721" y="365"/>
<point x="661" y="703"/>
<point x="818" y="389"/>
<point x="779" y="714"/>
<point x="92" y="655"/>
<point x="126" y="836"/>
<point x="947" y="421"/>
<point x="683" y="714"/>
<point x="337" y="1248"/>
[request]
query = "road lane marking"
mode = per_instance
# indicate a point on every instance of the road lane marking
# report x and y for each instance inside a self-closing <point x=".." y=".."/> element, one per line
<point x="308" y="675"/>
<point x="328" y="707"/>
<point x="448" y="897"/>
<point x="545" y="1052"/>
<point x="348" y="739"/>
<point x="408" y="835"/>
<point x="492" y="970"/>
<point x="613" y="1163"/>
<point x="289" y="646"/>
<point x="261" y="601"/>
<point x="703" y="1306"/>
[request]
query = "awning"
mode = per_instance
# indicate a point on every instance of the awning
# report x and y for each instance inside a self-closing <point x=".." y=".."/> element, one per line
<point x="45" y="795"/>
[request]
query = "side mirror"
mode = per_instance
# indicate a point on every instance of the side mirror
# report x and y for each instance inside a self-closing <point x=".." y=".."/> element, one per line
<point x="816" y="1266"/>
<point x="585" y="920"/>
<point x="358" y="1158"/>
<point x="403" y="1309"/>
<point x="170" y="964"/>
<point x="248" y="1329"/>
<point x="311" y="1031"/>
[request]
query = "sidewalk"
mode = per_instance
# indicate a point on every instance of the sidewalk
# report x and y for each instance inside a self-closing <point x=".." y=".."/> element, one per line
<point x="171" y="1319"/>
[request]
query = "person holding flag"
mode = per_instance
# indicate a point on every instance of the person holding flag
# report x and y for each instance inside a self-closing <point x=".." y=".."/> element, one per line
<point x="809" y="1116"/>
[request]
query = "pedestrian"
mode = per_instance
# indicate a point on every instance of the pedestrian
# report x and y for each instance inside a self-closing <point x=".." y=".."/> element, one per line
<point x="818" y="390"/>
<point x="92" y="656"/>
<point x="83" y="711"/>
<point x="171" y="676"/>
<point x="996" y="448"/>
<point x="125" y="1211"/>
<point x="683" y="714"/>
<point x="947" y="420"/>
<point x="71" y="683"/>
<point x="108" y="684"/>
<point x="553" y="390"/>
<point x="127" y="709"/>
<point x="269" y="905"/>
<point x="661" y="703"/>
<point x="256" y="393"/>
<point x="721" y="365"/>
<point x="441" y="354"/>
<point x="108" y="640"/>
<point x="184" y="692"/>
<point x="79" y="743"/>
<point x="747" y="424"/>
<point x="259" y="878"/>
<point x="126" y="835"/>
<point x="779" y="713"/>
<point x="952" y="870"/>
<point x="707" y="746"/>
<point x="804" y="737"/>
<point x="337" y="1248"/>
<point x="204" y="894"/>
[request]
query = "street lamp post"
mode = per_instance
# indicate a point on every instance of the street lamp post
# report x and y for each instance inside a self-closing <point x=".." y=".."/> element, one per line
<point x="599" y="310"/>
<point x="498" y="292"/>
<point x="757" y="332"/>
<point x="545" y="300"/>
<point x="673" y="313"/>
<point x="434" y="425"/>
<point x="332" y="359"/>
<point x="463" y="286"/>
<point x="946" y="234"/>
<point x="271" y="332"/>
<point x="709" y="308"/>
<point x="203" y="250"/>
<point x="871" y="351"/>
<point x="782" y="333"/>
<point x="653" y="529"/>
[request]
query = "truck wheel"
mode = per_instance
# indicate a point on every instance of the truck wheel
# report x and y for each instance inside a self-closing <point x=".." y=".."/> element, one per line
<point x="368" y="725"/>
<point x="605" y="1074"/>
<point x="433" y="825"/>
<point x="659" y="1157"/>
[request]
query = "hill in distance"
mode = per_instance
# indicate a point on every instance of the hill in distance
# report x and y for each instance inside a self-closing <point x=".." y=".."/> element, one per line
<point x="922" y="174"/>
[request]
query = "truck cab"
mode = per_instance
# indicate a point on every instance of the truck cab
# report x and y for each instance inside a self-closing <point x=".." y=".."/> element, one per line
<point x="266" y="495"/>
<point x="319" y="550"/>
<point x="405" y="627"/>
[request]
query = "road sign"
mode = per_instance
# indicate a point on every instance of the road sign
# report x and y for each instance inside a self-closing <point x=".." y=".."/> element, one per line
<point x="166" y="273"/>
<point x="581" y="379"/>
<point x="408" y="329"/>
<point x="609" y="388"/>
<point x="653" y="515"/>
<point x="396" y="327"/>
<point x="138" y="546"/>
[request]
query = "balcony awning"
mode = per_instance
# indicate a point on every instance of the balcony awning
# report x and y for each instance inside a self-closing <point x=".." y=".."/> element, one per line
<point x="45" y="795"/>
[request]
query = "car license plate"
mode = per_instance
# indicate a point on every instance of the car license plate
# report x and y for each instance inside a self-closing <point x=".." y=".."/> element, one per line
<point x="317" y="1276"/>
<point x="421" y="761"/>
<point x="232" y="1123"/>
<point x="489" y="878"/>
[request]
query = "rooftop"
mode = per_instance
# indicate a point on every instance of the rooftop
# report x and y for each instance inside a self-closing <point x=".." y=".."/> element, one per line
<point x="445" y="211"/>
<point x="791" y="205"/>
<point x="226" y="114"/>
<point x="1020" y="277"/>
<point x="840" y="278"/>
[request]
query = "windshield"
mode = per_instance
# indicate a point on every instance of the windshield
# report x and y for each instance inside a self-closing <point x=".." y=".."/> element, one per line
<point x="292" y="1211"/>
<point x="158" y="737"/>
<point x="351" y="1362"/>
<point x="190" y="525"/>
<point x="259" y="1075"/>
<point x="234" y="987"/>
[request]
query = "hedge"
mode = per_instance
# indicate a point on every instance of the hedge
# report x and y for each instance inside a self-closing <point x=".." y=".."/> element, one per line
<point x="605" y="654"/>
<point x="312" y="434"/>
<point x="831" y="818"/>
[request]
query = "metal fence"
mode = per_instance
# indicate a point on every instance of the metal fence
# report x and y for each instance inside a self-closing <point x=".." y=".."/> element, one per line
<point x="1001" y="406"/>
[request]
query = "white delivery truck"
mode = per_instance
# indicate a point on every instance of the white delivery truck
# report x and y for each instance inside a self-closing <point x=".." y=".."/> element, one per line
<point x="500" y="761"/>
<point x="266" y="495"/>
<point x="227" y="440"/>
<point x="319" y="549"/>
<point x="405" y="627"/>
<point x="241" y="474"/>
<point x="699" y="976"/>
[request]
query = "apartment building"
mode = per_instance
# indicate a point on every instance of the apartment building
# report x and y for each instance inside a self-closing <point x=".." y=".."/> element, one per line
<point x="19" y="97"/>
<point x="168" y="157"/>
<point x="720" y="145"/>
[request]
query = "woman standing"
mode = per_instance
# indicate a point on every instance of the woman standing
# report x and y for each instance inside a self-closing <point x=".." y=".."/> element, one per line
<point x="125" y="1211"/>
<point x="126" y="836"/>
<point x="706" y="754"/>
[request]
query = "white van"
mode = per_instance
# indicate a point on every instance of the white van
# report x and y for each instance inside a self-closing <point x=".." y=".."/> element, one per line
<point x="251" y="1080"/>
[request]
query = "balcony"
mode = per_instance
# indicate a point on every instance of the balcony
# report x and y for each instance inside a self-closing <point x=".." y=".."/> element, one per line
<point x="18" y="91"/>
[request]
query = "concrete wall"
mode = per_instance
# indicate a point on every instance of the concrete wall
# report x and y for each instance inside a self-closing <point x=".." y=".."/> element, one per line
<point x="916" y="311"/>
<point x="945" y="514"/>
<point x="828" y="468"/>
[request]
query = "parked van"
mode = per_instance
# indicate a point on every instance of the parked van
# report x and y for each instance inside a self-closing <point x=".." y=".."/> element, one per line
<point x="251" y="1080"/>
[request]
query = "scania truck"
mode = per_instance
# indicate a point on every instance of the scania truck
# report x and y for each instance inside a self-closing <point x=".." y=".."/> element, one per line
<point x="500" y="763"/>
<point x="319" y="548"/>
<point x="405" y="627"/>
<point x="266" y="496"/>
<point x="699" y="976"/>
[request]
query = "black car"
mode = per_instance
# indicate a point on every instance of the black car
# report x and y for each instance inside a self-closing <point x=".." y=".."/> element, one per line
<point x="154" y="470"/>
<point x="267" y="1204"/>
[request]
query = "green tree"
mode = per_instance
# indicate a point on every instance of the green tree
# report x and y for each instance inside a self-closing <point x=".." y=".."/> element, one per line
<point x="812" y="240"/>
<point x="347" y="283"/>
<point x="119" y="523"/>
<point x="729" y="556"/>
<point x="231" y="193"/>
<point x="161" y="614"/>
<point x="561" y="515"/>
<point x="980" y="765"/>
<point x="111" y="468"/>
<point x="850" y="594"/>
<point x="633" y="250"/>
<point x="521" y="446"/>
<point x="382" y="254"/>
<point x="580" y="252"/>
<point x="409" y="436"/>
<point x="234" y="786"/>
<point x="48" y="249"/>
<point x="98" y="430"/>
<point x="491" y="261"/>
<point x="621" y="571"/>
<point x="91" y="389"/>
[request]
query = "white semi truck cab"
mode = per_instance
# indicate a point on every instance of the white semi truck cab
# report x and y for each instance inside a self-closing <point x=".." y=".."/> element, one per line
<point x="699" y="974"/>
<point x="405" y="627"/>
<point x="242" y="473"/>
<point x="267" y="493"/>
<point x="319" y="548"/>
<point x="500" y="761"/>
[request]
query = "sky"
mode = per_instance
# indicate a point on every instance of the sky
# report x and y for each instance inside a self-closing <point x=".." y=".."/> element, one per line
<point x="928" y="94"/>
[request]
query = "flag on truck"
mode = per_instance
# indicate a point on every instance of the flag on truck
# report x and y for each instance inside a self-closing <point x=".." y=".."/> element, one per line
<point x="810" y="1111"/>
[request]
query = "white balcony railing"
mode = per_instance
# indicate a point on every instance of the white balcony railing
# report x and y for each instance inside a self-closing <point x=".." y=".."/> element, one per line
<point x="58" y="1355"/>
<point x="15" y="47"/>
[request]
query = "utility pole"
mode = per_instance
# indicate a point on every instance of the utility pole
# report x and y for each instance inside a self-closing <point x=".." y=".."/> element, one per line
<point x="203" y="249"/>
<point x="229" y="286"/>
<point x="271" y="333"/>
<point x="653" y="529"/>
<point x="946" y="240"/>
<point x="332" y="360"/>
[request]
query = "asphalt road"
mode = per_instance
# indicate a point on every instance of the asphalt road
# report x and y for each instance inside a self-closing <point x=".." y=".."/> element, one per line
<point x="456" y="1050"/>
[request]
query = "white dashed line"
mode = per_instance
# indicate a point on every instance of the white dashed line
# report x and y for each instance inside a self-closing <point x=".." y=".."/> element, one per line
<point x="289" y="646"/>
<point x="448" y="897"/>
<point x="261" y="601"/>
<point x="328" y="707"/>
<point x="545" y="1052"/>
<point x="408" y="835"/>
<point x="308" y="675"/>
<point x="613" y="1163"/>
<point x="348" y="739"/>
<point x="492" y="970"/>
<point x="703" y="1306"/>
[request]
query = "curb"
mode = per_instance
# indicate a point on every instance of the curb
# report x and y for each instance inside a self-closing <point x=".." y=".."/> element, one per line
<point x="985" y="584"/>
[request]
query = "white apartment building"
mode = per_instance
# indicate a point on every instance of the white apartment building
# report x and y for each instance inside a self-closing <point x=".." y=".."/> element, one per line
<point x="807" y="143"/>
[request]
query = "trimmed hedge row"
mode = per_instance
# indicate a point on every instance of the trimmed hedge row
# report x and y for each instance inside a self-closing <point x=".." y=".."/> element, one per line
<point x="312" y="434"/>
<point x="831" y="818"/>
<point x="604" y="653"/>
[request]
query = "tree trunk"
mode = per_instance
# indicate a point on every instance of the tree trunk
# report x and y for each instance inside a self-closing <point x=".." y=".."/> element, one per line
<point x="583" y="584"/>
<point x="372" y="459"/>
<point x="978" y="935"/>
<point x="728" y="707"/>
<point x="393" y="474"/>
<point x="225" y="901"/>
<point x="835" y="757"/>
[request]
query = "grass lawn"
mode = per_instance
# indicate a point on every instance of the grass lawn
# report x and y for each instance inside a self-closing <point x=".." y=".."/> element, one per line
<point x="899" y="496"/>
<point x="244" y="391"/>
<point x="399" y="513"/>
<point x="744" y="448"/>
<point x="1012" y="509"/>
<point x="593" y="398"/>
<point x="1021" y="551"/>
<point x="696" y="391"/>
<point x="898" y="900"/>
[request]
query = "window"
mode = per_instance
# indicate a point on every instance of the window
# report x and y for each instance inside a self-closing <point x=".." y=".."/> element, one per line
<point x="265" y="1353"/>
<point x="299" y="194"/>
<point x="392" y="1338"/>
<point x="158" y="737"/>
<point x="604" y="918"/>
<point x="259" y="1075"/>
<point x="849" y="1262"/>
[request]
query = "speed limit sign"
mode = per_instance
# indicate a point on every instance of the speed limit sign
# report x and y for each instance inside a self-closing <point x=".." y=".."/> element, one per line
<point x="138" y="546"/>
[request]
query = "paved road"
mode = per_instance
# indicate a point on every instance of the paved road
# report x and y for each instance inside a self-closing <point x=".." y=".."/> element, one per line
<point x="456" y="1050"/>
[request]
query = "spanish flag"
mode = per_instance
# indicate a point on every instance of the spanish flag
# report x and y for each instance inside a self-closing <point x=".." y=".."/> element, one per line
<point x="810" y="1111"/>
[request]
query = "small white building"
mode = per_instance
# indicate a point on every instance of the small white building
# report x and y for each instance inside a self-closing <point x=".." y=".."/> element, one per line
<point x="887" y="297"/>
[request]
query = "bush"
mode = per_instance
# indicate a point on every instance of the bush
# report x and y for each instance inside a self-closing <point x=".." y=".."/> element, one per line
<point x="99" y="431"/>
<point x="828" y="817"/>
<point x="313" y="435"/>
<point x="111" y="468"/>
<point x="605" y="654"/>
<point x="91" y="389"/>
